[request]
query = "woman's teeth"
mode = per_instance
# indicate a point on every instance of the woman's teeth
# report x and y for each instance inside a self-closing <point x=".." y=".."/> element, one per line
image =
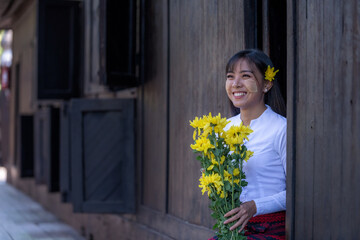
<point x="239" y="94"/>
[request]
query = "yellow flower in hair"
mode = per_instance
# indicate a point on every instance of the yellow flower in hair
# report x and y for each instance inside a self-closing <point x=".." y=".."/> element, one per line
<point x="270" y="74"/>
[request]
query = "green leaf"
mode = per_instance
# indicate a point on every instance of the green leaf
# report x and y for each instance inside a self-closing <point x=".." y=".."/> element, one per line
<point x="215" y="226"/>
<point x="215" y="215"/>
<point x="244" y="183"/>
<point x="227" y="186"/>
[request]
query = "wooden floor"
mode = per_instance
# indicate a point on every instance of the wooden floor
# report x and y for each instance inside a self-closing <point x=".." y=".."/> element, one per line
<point x="23" y="219"/>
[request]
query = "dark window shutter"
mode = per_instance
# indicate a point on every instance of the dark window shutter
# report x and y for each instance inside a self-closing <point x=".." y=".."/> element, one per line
<point x="102" y="155"/>
<point x="27" y="146"/>
<point x="42" y="140"/>
<point x="65" y="148"/>
<point x="47" y="147"/>
<point x="118" y="43"/>
<point x="58" y="49"/>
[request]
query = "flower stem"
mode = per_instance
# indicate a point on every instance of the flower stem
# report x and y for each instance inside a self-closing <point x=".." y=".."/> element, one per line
<point x="232" y="193"/>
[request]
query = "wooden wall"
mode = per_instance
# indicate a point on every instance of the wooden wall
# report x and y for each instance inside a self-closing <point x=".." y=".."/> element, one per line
<point x="324" y="117"/>
<point x="188" y="44"/>
<point x="22" y="79"/>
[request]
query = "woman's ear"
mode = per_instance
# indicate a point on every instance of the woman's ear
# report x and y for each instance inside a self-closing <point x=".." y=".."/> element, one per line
<point x="268" y="85"/>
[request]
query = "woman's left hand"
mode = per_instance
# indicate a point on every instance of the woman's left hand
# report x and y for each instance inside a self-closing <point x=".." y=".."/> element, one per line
<point x="242" y="214"/>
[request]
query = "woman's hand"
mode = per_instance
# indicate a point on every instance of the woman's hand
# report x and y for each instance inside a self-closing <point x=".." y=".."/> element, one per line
<point x="242" y="214"/>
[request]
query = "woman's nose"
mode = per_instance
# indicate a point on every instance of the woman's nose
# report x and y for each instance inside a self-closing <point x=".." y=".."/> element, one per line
<point x="237" y="82"/>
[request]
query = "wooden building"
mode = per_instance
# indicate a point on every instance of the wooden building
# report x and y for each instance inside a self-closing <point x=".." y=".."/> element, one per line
<point x="102" y="93"/>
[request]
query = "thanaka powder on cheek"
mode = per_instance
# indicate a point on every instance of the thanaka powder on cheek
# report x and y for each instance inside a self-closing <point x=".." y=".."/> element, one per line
<point x="250" y="85"/>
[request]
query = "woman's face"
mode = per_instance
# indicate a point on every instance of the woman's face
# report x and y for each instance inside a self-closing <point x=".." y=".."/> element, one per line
<point x="245" y="85"/>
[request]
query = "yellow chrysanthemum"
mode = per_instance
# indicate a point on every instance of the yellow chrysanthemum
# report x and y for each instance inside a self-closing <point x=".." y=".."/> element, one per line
<point x="198" y="124"/>
<point x="236" y="172"/>
<point x="236" y="135"/>
<point x="270" y="73"/>
<point x="202" y="144"/>
<point x="216" y="121"/>
<point x="227" y="176"/>
<point x="204" y="126"/>
<point x="249" y="154"/>
<point x="209" y="182"/>
<point x="222" y="195"/>
<point x="214" y="162"/>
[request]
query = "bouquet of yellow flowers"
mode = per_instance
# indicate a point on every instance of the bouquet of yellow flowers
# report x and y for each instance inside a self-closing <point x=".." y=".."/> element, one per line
<point x="221" y="154"/>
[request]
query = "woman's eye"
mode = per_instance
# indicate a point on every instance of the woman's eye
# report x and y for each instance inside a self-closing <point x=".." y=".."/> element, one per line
<point x="229" y="76"/>
<point x="245" y="76"/>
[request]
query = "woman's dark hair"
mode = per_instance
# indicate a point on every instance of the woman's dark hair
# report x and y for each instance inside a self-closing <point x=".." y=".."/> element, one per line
<point x="273" y="98"/>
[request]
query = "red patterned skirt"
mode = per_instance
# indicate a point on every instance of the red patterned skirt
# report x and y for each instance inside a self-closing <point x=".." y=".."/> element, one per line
<point x="265" y="227"/>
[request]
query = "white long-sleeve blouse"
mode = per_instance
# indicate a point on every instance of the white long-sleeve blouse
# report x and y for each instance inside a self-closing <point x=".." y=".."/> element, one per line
<point x="266" y="170"/>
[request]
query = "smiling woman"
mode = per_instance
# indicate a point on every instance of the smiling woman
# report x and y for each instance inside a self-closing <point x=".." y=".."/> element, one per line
<point x="255" y="97"/>
<point x="245" y="73"/>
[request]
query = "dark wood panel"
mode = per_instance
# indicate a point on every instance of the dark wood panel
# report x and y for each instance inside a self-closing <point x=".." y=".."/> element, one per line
<point x="315" y="75"/>
<point x="327" y="121"/>
<point x="102" y="155"/>
<point x="26" y="145"/>
<point x="300" y="196"/>
<point x="64" y="155"/>
<point x="349" y="166"/>
<point x="292" y="79"/>
<point x="42" y="143"/>
<point x="5" y="121"/>
<point x="330" y="166"/>
<point x="154" y="105"/>
<point x="171" y="226"/>
<point x="46" y="135"/>
<point x="200" y="45"/>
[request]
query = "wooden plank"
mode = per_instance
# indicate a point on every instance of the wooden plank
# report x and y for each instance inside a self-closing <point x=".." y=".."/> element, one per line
<point x="91" y="48"/>
<point x="175" y="227"/>
<point x="301" y="10"/>
<point x="312" y="81"/>
<point x="42" y="146"/>
<point x="292" y="78"/>
<point x="197" y="80"/>
<point x="64" y="155"/>
<point x="350" y="170"/>
<point x="155" y="108"/>
<point x="328" y="53"/>
<point x="332" y="44"/>
<point x="76" y="155"/>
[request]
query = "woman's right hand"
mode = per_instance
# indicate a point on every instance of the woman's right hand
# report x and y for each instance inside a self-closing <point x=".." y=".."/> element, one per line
<point x="241" y="214"/>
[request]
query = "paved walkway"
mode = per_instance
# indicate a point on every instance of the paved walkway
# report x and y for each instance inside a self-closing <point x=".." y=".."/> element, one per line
<point x="23" y="219"/>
